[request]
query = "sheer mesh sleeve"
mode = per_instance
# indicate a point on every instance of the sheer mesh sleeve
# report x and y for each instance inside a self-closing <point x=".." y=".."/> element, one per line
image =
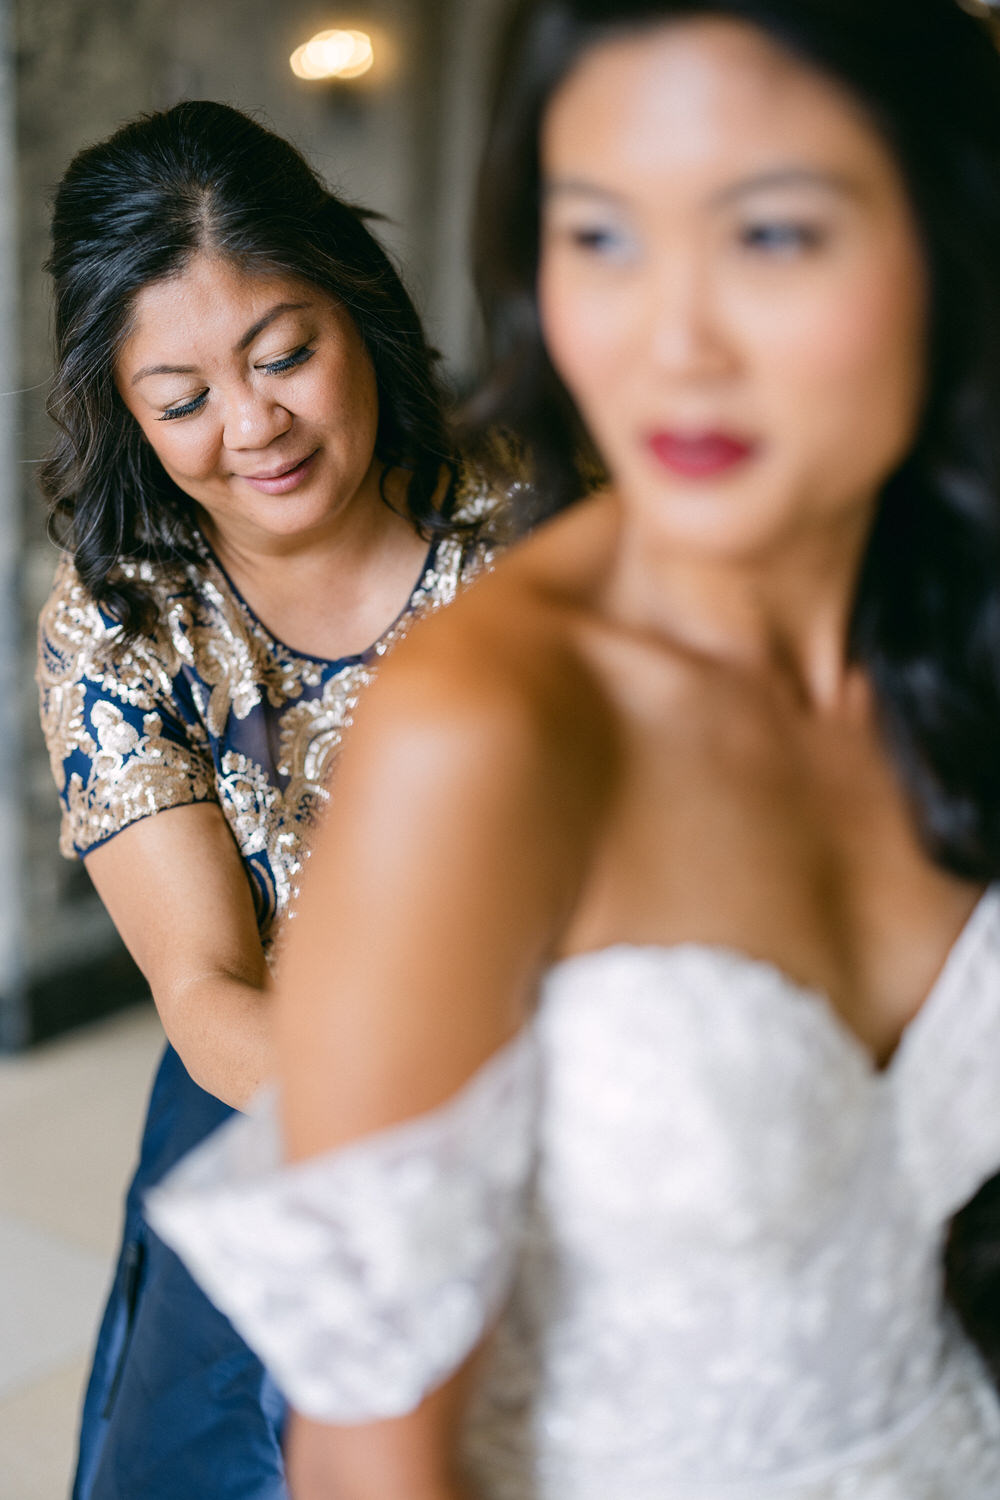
<point x="364" y="1277"/>
<point x="120" y="742"/>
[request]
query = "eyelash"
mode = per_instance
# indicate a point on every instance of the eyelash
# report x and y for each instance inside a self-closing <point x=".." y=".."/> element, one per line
<point x="597" y="240"/>
<point x="770" y="237"/>
<point x="274" y="367"/>
<point x="173" y="412"/>
<point x="290" y="361"/>
<point x="782" y="236"/>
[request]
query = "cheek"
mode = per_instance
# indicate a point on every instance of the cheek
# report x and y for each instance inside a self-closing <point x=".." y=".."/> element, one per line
<point x="365" y="397"/>
<point x="343" y="394"/>
<point x="586" y="332"/>
<point x="849" y="366"/>
<point x="184" y="454"/>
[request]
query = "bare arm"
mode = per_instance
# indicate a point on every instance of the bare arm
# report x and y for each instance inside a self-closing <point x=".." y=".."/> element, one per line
<point x="447" y="863"/>
<point x="176" y="889"/>
<point x="409" y="1458"/>
<point x="440" y="874"/>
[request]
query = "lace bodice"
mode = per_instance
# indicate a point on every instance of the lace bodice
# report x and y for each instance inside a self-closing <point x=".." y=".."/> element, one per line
<point x="708" y="1229"/>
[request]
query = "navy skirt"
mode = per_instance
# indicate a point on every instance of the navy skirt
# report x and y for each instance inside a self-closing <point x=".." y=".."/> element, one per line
<point x="177" y="1407"/>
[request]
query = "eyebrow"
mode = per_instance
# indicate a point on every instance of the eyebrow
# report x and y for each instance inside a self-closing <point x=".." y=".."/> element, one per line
<point x="579" y="186"/>
<point x="241" y="344"/>
<point x="777" y="177"/>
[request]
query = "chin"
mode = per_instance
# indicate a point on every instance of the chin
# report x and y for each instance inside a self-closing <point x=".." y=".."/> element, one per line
<point x="286" y="515"/>
<point x="720" y="519"/>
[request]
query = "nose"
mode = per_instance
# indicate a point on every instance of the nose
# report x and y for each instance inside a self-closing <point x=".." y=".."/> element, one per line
<point x="253" y="419"/>
<point x="687" y="330"/>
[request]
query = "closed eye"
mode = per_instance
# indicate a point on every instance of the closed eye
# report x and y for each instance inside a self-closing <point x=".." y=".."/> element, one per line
<point x="272" y="367"/>
<point x="782" y="237"/>
<point x="289" y="362"/>
<point x="186" y="410"/>
<point x="596" y="239"/>
<point x="600" y="241"/>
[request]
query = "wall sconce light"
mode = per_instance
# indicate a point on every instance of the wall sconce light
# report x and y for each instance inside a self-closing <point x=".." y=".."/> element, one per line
<point x="334" y="55"/>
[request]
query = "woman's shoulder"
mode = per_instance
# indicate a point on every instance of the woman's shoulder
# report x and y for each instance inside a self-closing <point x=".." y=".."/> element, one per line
<point x="124" y="739"/>
<point x="485" y="747"/>
<point x="77" y="633"/>
<point x="481" y="501"/>
<point x="160" y="581"/>
<point x="504" y="674"/>
<point x="482" y="525"/>
<point x="68" y="599"/>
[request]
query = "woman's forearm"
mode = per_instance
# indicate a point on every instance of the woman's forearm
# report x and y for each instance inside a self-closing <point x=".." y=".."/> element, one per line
<point x="406" y="1458"/>
<point x="220" y="1026"/>
<point x="175" y="887"/>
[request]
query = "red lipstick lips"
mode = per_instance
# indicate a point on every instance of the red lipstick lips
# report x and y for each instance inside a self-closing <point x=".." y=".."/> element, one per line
<point x="699" y="455"/>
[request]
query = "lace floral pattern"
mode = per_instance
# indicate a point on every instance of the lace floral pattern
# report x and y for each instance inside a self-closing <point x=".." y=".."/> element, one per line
<point x="401" y="1241"/>
<point x="209" y="708"/>
<point x="724" y="1279"/>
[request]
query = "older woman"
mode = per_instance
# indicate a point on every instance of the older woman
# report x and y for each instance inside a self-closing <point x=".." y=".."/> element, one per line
<point x="258" y="498"/>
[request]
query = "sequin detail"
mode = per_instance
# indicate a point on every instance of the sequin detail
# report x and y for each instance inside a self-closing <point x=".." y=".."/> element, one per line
<point x="210" y="708"/>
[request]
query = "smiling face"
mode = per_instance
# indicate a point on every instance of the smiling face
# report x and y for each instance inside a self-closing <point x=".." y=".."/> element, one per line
<point x="730" y="284"/>
<point x="258" y="397"/>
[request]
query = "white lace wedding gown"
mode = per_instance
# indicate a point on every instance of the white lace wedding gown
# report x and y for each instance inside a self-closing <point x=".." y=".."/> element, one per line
<point x="708" y="1231"/>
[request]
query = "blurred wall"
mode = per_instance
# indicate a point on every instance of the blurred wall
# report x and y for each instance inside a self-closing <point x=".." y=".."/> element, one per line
<point x="403" y="141"/>
<point x="12" y="924"/>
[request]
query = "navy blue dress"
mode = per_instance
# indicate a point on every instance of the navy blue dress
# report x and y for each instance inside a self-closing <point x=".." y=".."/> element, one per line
<point x="209" y="708"/>
<point x="177" y="1405"/>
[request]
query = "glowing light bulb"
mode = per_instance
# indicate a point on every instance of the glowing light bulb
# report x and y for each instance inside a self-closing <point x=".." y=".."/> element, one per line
<point x="333" y="54"/>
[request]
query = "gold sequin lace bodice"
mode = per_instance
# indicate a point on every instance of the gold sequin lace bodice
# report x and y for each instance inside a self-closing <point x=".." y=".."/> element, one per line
<point x="209" y="707"/>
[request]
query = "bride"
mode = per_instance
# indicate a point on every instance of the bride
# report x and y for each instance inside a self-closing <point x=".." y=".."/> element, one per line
<point x="640" y="1036"/>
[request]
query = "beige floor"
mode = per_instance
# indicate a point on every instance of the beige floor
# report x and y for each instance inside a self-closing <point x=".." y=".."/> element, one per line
<point x="69" y="1118"/>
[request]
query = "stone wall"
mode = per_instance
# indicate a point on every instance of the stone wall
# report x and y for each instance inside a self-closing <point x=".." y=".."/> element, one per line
<point x="12" y="957"/>
<point x="403" y="142"/>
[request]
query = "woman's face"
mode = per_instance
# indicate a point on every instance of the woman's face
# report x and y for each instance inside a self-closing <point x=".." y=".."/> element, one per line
<point x="730" y="283"/>
<point x="258" y="397"/>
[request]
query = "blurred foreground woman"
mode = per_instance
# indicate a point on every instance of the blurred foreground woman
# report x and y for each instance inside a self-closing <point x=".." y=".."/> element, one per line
<point x="641" y="1034"/>
<point x="258" y="498"/>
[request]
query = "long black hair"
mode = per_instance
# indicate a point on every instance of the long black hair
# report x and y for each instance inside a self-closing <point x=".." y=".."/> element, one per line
<point x="133" y="210"/>
<point x="926" y="618"/>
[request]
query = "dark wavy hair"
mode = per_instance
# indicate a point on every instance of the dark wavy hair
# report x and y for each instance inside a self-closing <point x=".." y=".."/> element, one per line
<point x="926" y="619"/>
<point x="133" y="210"/>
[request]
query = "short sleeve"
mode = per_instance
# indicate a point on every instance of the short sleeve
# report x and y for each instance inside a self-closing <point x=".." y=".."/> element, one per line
<point x="120" y="744"/>
<point x="364" y="1277"/>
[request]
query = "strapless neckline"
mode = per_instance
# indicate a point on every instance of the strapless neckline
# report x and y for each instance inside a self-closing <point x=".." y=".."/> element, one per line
<point x="705" y="1232"/>
<point x="738" y="960"/>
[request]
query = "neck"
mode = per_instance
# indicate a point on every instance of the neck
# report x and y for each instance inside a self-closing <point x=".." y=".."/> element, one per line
<point x="348" y="534"/>
<point x="784" y="611"/>
<point x="331" y="591"/>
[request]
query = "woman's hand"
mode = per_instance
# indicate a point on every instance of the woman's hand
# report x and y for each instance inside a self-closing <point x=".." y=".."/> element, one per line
<point x="176" y="889"/>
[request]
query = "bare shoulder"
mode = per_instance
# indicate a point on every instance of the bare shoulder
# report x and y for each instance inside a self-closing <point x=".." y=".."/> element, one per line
<point x="500" y="683"/>
<point x="460" y="830"/>
<point x="479" y="770"/>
